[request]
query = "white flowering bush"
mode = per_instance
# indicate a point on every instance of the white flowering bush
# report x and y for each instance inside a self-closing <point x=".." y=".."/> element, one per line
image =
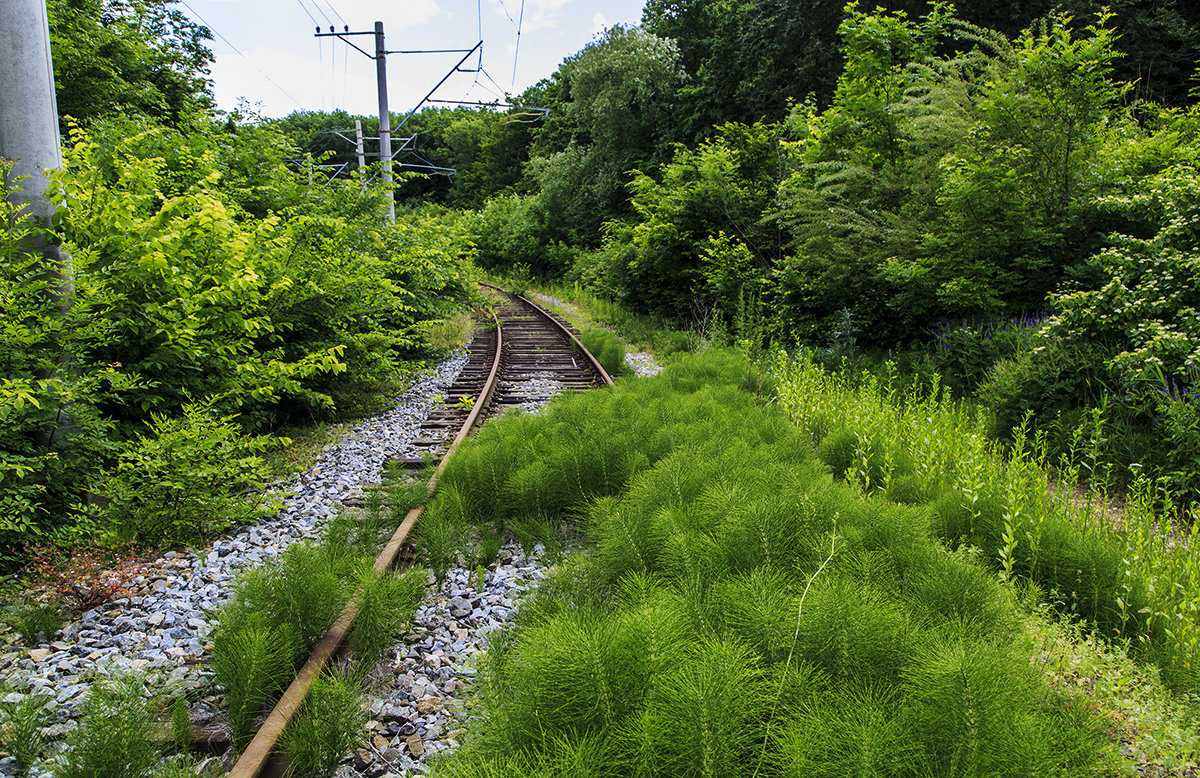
<point x="1131" y="342"/>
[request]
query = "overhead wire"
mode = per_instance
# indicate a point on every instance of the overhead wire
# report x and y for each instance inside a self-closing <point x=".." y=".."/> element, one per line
<point x="238" y="51"/>
<point x="517" y="50"/>
<point x="310" y="16"/>
<point x="335" y="11"/>
<point x="506" y="13"/>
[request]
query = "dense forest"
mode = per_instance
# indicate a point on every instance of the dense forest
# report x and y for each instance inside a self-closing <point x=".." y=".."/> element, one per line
<point x="998" y="199"/>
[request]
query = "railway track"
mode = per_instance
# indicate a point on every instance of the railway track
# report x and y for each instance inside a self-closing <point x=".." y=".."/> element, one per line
<point x="522" y="359"/>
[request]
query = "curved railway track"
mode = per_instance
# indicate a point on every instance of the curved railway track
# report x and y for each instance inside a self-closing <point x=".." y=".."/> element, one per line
<point x="527" y="356"/>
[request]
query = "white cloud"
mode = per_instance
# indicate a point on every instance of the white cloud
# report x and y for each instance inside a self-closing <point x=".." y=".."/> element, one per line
<point x="599" y="23"/>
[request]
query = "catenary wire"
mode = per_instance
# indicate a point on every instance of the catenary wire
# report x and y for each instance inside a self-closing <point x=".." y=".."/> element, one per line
<point x="238" y="51"/>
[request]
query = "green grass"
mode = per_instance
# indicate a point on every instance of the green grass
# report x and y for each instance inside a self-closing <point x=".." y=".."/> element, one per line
<point x="117" y="732"/>
<point x="1119" y="573"/>
<point x="21" y="727"/>
<point x="280" y="610"/>
<point x="606" y="347"/>
<point x="737" y="610"/>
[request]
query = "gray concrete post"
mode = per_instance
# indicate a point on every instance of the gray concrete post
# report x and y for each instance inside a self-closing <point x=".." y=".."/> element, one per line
<point x="28" y="110"/>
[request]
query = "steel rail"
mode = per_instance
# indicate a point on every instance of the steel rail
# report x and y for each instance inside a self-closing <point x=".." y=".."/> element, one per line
<point x="258" y="752"/>
<point x="562" y="328"/>
<point x="255" y="759"/>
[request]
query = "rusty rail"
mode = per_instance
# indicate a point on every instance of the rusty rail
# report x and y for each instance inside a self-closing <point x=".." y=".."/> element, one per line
<point x="255" y="759"/>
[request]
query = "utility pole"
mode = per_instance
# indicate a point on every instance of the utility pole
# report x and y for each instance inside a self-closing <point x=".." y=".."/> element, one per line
<point x="358" y="144"/>
<point x="385" y="124"/>
<point x="29" y="120"/>
<point x="385" y="131"/>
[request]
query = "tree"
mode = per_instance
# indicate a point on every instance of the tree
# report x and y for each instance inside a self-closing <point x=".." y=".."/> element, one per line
<point x="128" y="57"/>
<point x="618" y="114"/>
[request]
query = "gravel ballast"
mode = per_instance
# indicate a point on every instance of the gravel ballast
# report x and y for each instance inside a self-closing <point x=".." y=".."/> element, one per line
<point x="161" y="628"/>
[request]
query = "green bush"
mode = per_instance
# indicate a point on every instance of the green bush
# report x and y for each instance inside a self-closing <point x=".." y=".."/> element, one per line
<point x="189" y="478"/>
<point x="199" y="277"/>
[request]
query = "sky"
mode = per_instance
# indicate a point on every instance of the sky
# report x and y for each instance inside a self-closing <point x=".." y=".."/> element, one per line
<point x="265" y="51"/>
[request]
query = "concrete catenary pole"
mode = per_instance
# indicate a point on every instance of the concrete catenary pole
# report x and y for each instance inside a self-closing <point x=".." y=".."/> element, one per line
<point x="385" y="123"/>
<point x="358" y="144"/>
<point x="29" y="117"/>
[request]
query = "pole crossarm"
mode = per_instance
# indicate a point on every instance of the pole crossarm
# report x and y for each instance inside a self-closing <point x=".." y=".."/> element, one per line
<point x="432" y="51"/>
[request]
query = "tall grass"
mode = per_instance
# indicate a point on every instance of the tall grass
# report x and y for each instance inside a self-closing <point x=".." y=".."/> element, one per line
<point x="1124" y="572"/>
<point x="117" y="732"/>
<point x="328" y="725"/>
<point x="606" y="347"/>
<point x="737" y="611"/>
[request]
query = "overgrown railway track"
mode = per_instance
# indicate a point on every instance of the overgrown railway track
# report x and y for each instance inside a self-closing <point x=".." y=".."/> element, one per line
<point x="522" y="359"/>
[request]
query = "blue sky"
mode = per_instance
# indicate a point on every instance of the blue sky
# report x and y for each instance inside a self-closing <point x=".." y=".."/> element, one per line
<point x="265" y="51"/>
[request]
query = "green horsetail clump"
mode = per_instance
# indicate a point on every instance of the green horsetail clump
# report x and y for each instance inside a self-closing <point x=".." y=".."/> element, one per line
<point x="734" y="610"/>
<point x="279" y="611"/>
<point x="606" y="347"/>
<point x="1121" y="575"/>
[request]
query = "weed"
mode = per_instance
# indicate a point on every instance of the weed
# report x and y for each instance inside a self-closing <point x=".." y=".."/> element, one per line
<point x="448" y="334"/>
<point x="82" y="577"/>
<point x="387" y="603"/>
<point x="735" y="611"/>
<point x="606" y="347"/>
<point x="181" y="724"/>
<point x="21" y="731"/>
<point x="253" y="662"/>
<point x="328" y="725"/>
<point x="36" y="621"/>
<point x="116" y="737"/>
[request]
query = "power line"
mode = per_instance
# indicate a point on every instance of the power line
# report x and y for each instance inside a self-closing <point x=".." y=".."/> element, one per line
<point x="518" y="48"/>
<point x="331" y="8"/>
<point x="506" y="13"/>
<point x="310" y="16"/>
<point x="240" y="54"/>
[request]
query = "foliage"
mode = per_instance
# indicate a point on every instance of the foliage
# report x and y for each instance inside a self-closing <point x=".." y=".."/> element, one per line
<point x="252" y="662"/>
<point x="386" y="605"/>
<point x="117" y="732"/>
<point x="606" y="347"/>
<point x="81" y="578"/>
<point x="328" y="725"/>
<point x="120" y="56"/>
<point x="21" y="732"/>
<point x="1126" y="582"/>
<point x="35" y="622"/>
<point x="964" y="352"/>
<point x="204" y="271"/>
<point x="190" y="477"/>
<point x="735" y="612"/>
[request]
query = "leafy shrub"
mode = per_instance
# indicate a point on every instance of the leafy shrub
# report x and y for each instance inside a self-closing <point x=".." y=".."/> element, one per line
<point x="964" y="353"/>
<point x="186" y="480"/>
